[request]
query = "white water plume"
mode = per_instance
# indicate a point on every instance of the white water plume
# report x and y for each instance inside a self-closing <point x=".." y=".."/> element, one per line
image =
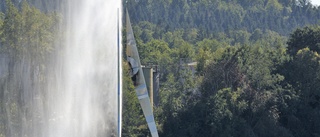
<point x="84" y="102"/>
<point x="78" y="96"/>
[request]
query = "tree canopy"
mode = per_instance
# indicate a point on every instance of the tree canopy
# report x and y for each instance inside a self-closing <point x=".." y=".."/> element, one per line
<point x="257" y="66"/>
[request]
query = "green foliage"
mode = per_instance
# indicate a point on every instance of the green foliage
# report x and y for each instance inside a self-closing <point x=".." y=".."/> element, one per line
<point x="156" y="51"/>
<point x="133" y="122"/>
<point x="301" y="114"/>
<point x="11" y="30"/>
<point x="246" y="84"/>
<point x="241" y="37"/>
<point x="238" y="95"/>
<point x="204" y="53"/>
<point x="27" y="39"/>
<point x="307" y="37"/>
<point x="27" y="32"/>
<point x="185" y="50"/>
<point x="204" y="17"/>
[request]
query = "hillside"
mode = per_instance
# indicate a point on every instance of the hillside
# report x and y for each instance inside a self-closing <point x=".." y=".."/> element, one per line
<point x="257" y="67"/>
<point x="213" y="16"/>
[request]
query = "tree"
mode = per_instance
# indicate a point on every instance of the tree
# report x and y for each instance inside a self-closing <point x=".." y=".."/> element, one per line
<point x="307" y="37"/>
<point x="11" y="31"/>
<point x="157" y="52"/>
<point x="239" y="91"/>
<point x="27" y="37"/>
<point x="302" y="72"/>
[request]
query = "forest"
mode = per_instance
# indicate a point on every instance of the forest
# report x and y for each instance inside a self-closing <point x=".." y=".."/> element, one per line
<point x="27" y="41"/>
<point x="257" y="73"/>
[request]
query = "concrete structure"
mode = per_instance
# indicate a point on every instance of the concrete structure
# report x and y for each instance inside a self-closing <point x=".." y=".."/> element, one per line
<point x="151" y="74"/>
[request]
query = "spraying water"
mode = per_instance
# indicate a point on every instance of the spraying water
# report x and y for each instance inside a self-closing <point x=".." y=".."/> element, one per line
<point x="80" y="97"/>
<point x="87" y="104"/>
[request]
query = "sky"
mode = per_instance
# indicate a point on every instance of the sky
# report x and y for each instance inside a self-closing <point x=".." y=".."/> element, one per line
<point x="315" y="2"/>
